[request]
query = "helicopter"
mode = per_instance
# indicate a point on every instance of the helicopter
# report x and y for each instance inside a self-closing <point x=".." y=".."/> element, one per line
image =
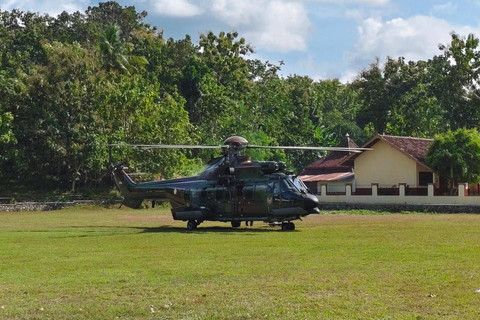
<point x="232" y="188"/>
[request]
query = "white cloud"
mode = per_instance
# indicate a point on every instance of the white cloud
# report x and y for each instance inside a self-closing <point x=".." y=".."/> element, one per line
<point x="445" y="8"/>
<point x="176" y="8"/>
<point x="269" y="24"/>
<point x="284" y="28"/>
<point x="237" y="12"/>
<point x="356" y="14"/>
<point x="348" y="76"/>
<point x="53" y="8"/>
<point x="415" y="38"/>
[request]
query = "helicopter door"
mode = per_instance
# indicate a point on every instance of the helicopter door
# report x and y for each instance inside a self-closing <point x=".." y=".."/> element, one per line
<point x="224" y="202"/>
<point x="248" y="205"/>
<point x="259" y="203"/>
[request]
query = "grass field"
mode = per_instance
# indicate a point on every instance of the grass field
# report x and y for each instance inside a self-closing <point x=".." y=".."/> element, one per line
<point x="95" y="263"/>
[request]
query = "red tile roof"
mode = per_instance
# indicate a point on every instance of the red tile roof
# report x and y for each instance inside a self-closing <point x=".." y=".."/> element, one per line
<point x="331" y="168"/>
<point x="334" y="159"/>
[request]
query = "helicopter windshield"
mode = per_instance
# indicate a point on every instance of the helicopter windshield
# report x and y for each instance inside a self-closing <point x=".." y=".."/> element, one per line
<point x="299" y="184"/>
<point x="293" y="184"/>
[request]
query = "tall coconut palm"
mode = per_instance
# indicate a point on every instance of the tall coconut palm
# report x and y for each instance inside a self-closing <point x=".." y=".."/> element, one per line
<point x="113" y="50"/>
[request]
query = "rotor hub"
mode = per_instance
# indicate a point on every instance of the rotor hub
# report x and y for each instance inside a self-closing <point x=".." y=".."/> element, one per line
<point x="234" y="144"/>
<point x="236" y="141"/>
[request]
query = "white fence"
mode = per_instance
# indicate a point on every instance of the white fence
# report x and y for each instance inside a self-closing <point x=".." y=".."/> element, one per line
<point x="374" y="197"/>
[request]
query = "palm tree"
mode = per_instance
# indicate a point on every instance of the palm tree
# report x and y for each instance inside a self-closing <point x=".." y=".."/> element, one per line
<point x="113" y="50"/>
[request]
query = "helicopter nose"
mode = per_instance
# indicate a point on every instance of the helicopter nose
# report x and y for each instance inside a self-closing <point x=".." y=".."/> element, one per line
<point x="311" y="203"/>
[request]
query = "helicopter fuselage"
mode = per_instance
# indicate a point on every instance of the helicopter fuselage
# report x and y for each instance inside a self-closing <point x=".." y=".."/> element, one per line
<point x="231" y="189"/>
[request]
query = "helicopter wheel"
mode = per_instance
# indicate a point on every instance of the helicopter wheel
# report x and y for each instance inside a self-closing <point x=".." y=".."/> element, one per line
<point x="288" y="226"/>
<point x="236" y="224"/>
<point x="192" y="225"/>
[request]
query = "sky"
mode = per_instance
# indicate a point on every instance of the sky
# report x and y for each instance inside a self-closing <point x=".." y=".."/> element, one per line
<point x="323" y="39"/>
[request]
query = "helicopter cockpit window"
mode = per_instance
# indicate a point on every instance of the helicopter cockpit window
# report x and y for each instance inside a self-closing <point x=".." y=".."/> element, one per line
<point x="294" y="184"/>
<point x="203" y="194"/>
<point x="299" y="184"/>
<point x="288" y="185"/>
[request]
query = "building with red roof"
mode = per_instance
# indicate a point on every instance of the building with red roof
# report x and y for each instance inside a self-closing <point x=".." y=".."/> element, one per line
<point x="394" y="160"/>
<point x="330" y="170"/>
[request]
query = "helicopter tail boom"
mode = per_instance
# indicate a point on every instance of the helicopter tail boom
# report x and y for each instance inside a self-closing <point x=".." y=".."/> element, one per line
<point x="171" y="190"/>
<point x="125" y="184"/>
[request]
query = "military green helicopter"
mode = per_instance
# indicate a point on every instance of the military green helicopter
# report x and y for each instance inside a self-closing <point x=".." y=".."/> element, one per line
<point x="232" y="188"/>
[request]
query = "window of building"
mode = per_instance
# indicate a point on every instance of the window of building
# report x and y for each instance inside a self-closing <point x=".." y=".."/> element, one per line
<point x="424" y="178"/>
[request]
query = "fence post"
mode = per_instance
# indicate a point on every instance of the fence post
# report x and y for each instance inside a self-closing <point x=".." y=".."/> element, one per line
<point x="430" y="190"/>
<point x="461" y="190"/>
<point x="323" y="190"/>
<point x="348" y="189"/>
<point x="374" y="189"/>
<point x="401" y="189"/>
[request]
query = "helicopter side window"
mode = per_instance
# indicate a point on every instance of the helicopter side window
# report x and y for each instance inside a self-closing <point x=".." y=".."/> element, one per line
<point x="186" y="195"/>
<point x="276" y="189"/>
<point x="203" y="194"/>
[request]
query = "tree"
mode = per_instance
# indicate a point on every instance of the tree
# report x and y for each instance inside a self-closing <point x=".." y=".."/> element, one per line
<point x="455" y="156"/>
<point x="340" y="105"/>
<point x="415" y="111"/>
<point x="115" y="53"/>
<point x="225" y="56"/>
<point x="131" y="110"/>
<point x="372" y="86"/>
<point x="110" y="12"/>
<point x="10" y="92"/>
<point x="215" y="83"/>
<point x="455" y="77"/>
<point x="61" y="116"/>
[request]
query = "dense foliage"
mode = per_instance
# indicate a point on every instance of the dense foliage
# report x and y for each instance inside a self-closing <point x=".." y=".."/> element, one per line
<point x="74" y="83"/>
<point x="456" y="156"/>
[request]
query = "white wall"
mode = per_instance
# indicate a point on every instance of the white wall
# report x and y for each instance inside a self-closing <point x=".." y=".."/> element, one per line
<point x="461" y="199"/>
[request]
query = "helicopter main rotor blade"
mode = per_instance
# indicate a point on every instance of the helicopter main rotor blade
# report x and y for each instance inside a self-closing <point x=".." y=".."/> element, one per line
<point x="354" y="150"/>
<point x="164" y="146"/>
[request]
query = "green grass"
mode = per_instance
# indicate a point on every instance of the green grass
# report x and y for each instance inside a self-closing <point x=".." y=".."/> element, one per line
<point x="95" y="263"/>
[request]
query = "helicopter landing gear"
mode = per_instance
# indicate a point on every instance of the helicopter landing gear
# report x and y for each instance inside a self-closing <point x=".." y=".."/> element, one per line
<point x="192" y="225"/>
<point x="236" y="224"/>
<point x="288" y="226"/>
